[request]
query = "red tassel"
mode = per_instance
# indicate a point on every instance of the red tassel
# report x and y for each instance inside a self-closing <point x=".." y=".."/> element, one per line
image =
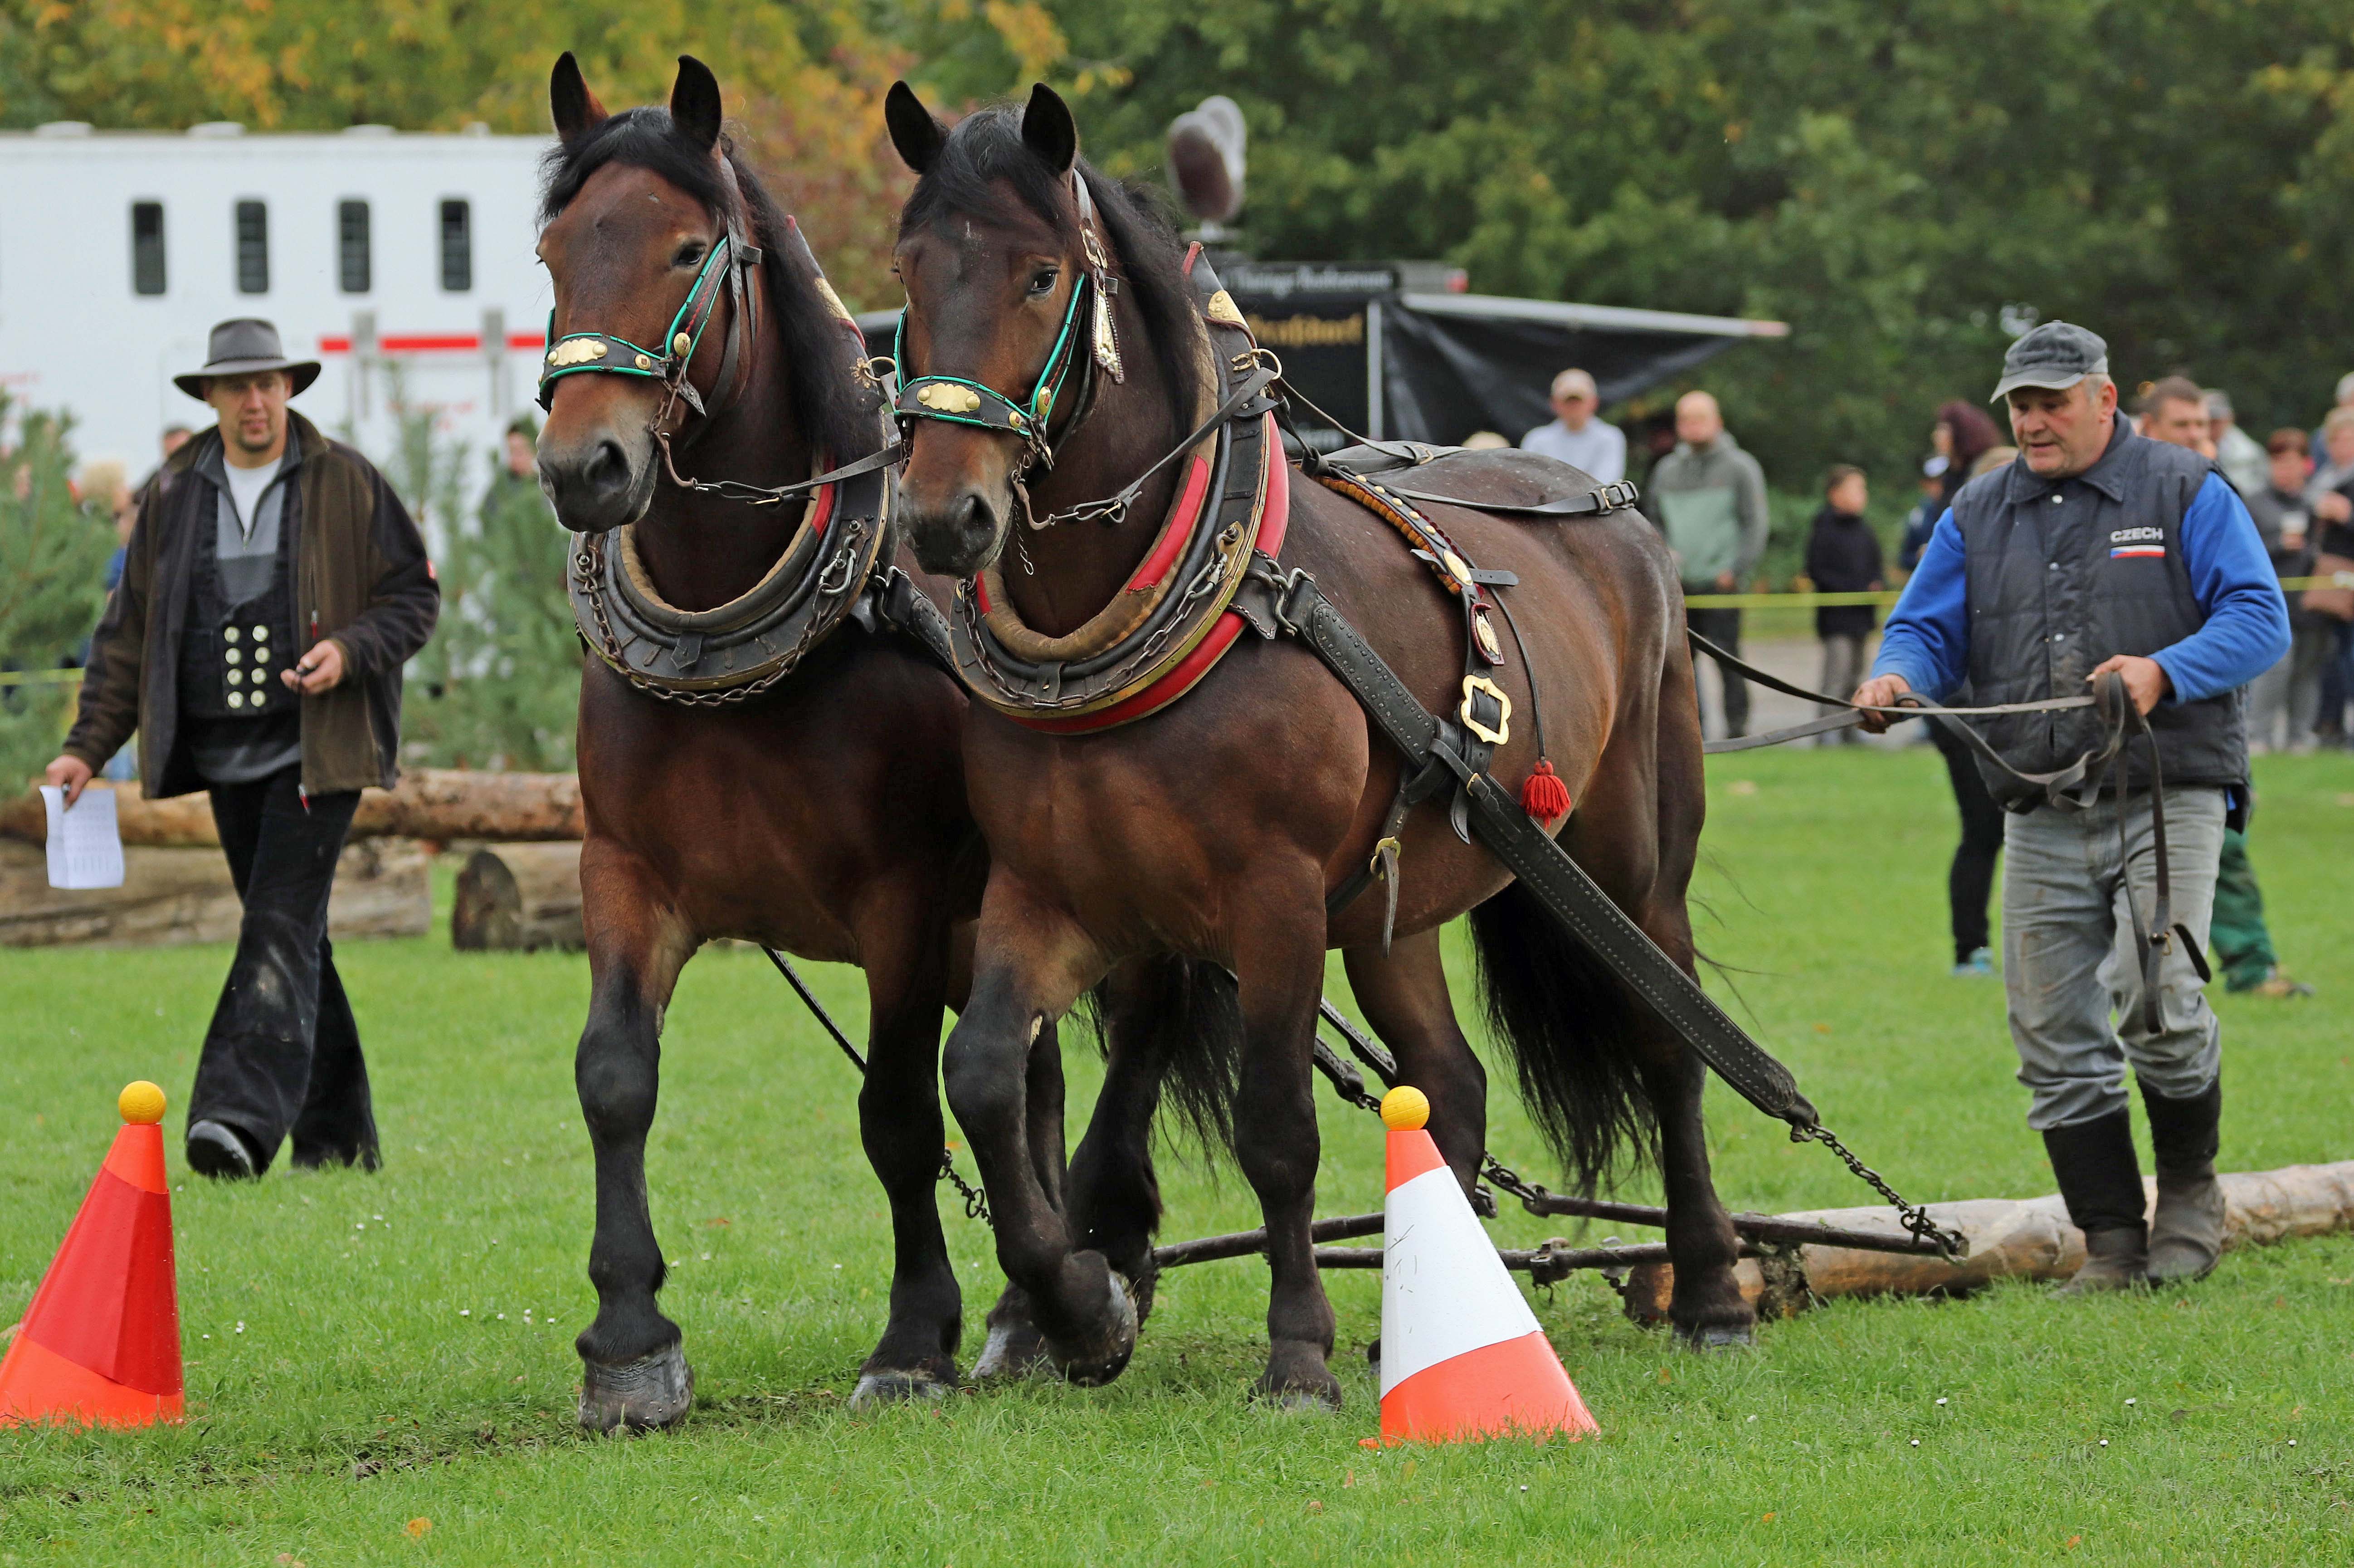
<point x="1544" y="797"/>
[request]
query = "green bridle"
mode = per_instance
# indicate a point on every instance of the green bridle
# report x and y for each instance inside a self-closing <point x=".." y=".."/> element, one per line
<point x="960" y="400"/>
<point x="608" y="354"/>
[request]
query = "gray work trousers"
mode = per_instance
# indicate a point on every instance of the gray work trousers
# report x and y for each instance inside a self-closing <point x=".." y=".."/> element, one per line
<point x="2068" y="953"/>
<point x="2284" y="700"/>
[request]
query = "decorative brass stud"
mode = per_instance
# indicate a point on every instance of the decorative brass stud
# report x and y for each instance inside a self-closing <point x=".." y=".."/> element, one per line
<point x="681" y="343"/>
<point x="644" y="363"/>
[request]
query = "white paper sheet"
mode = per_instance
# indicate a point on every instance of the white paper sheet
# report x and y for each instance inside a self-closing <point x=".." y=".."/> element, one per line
<point x="85" y="847"/>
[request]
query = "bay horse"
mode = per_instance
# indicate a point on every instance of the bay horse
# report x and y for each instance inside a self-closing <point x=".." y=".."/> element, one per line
<point x="820" y="808"/>
<point x="1205" y="838"/>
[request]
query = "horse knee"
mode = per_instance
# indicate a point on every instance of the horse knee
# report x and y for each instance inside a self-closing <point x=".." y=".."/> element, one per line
<point x="617" y="1079"/>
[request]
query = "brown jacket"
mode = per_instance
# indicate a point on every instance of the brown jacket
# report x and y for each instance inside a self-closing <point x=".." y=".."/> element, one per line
<point x="361" y="578"/>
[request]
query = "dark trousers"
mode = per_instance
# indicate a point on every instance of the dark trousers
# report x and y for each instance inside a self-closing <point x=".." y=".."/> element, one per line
<point x="283" y="1052"/>
<point x="1722" y="626"/>
<point x="1970" y="883"/>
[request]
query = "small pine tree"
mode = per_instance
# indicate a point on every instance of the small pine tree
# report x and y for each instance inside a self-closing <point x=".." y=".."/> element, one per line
<point x="53" y="555"/>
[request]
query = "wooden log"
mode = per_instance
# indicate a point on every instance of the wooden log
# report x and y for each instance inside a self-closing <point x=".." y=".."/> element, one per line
<point x="2026" y="1239"/>
<point x="433" y="804"/>
<point x="519" y="898"/>
<point x="176" y="895"/>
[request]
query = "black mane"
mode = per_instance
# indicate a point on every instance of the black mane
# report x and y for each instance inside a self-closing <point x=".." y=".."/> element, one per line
<point x="821" y="354"/>
<point x="986" y="146"/>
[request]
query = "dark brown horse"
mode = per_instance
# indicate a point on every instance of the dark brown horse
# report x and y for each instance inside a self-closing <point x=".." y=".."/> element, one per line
<point x="1207" y="836"/>
<point x="825" y="812"/>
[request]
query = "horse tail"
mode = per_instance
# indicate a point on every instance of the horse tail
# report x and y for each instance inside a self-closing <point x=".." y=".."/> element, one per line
<point x="1177" y="1023"/>
<point x="1574" y="1028"/>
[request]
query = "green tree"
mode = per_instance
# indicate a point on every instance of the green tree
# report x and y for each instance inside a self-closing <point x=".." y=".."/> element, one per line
<point x="53" y="553"/>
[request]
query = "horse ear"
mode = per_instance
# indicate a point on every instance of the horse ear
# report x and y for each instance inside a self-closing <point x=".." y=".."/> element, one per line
<point x="578" y="112"/>
<point x="1048" y="129"/>
<point x="695" y="102"/>
<point x="914" y="131"/>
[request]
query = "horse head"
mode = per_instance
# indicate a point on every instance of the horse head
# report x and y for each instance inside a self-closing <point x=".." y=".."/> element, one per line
<point x="639" y="210"/>
<point x="994" y="253"/>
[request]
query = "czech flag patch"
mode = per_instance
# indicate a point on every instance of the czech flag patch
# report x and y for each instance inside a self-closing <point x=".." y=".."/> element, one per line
<point x="2123" y="551"/>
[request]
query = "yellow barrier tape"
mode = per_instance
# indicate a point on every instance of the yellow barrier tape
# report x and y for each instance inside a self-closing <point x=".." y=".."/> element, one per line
<point x="1829" y="600"/>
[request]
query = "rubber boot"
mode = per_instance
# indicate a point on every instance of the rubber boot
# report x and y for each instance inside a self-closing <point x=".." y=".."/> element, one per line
<point x="2100" y="1180"/>
<point x="2187" y="1235"/>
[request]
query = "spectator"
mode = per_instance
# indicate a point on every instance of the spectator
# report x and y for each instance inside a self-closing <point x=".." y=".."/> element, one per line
<point x="2175" y="411"/>
<point x="1710" y="499"/>
<point x="275" y="686"/>
<point x="1963" y="434"/>
<point x="1575" y="435"/>
<point x="1485" y="441"/>
<point x="2342" y="398"/>
<point x="2285" y="699"/>
<point x="2330" y="494"/>
<point x="1843" y="557"/>
<point x="1922" y="521"/>
<point x="2101" y="554"/>
<point x="2243" y="940"/>
<point x="2246" y="465"/>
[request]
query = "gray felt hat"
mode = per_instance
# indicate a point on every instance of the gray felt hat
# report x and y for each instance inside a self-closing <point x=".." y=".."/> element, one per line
<point x="241" y="346"/>
<point x="2054" y="356"/>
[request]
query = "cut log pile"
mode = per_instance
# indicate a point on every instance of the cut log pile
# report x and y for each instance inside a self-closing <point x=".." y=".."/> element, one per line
<point x="177" y="895"/>
<point x="437" y="804"/>
<point x="519" y="898"/>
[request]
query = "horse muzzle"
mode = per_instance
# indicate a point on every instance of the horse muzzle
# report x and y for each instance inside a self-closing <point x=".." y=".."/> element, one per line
<point x="957" y="537"/>
<point x="600" y="481"/>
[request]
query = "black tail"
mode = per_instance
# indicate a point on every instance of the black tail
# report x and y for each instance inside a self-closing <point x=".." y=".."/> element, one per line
<point x="1572" y="1026"/>
<point x="1180" y="1026"/>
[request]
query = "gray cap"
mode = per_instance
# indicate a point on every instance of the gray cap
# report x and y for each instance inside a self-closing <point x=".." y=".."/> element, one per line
<point x="2054" y="356"/>
<point x="240" y="346"/>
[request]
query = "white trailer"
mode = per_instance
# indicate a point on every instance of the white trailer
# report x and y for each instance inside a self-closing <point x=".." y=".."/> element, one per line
<point x="396" y="260"/>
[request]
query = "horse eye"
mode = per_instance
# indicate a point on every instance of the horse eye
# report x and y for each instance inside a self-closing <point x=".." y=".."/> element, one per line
<point x="688" y="254"/>
<point x="1042" y="282"/>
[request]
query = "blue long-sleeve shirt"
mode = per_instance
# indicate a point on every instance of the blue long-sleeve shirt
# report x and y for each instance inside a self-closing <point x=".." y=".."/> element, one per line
<point x="2245" y="634"/>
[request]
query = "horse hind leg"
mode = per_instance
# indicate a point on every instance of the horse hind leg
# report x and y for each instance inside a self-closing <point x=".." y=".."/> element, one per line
<point x="635" y="1372"/>
<point x="1404" y="998"/>
<point x="900" y="1127"/>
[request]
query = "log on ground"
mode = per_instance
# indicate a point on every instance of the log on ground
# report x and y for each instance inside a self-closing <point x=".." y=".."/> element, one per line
<point x="434" y="803"/>
<point x="177" y="894"/>
<point x="519" y="898"/>
<point x="2015" y="1239"/>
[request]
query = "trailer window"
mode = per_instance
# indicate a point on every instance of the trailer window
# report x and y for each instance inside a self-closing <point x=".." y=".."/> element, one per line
<point x="457" y="247"/>
<point x="146" y="247"/>
<point x="253" y="248"/>
<point x="352" y="247"/>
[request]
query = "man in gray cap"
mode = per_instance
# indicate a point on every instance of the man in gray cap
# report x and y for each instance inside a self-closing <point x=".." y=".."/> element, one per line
<point x="273" y="587"/>
<point x="2095" y="552"/>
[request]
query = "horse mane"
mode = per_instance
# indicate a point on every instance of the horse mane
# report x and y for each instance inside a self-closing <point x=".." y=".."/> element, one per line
<point x="820" y="352"/>
<point x="986" y="146"/>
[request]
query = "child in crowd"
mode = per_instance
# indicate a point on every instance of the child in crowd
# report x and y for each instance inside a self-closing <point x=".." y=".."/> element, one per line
<point x="1843" y="557"/>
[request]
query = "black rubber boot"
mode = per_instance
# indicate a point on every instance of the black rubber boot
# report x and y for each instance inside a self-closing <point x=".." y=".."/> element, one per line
<point x="2187" y="1235"/>
<point x="2100" y="1180"/>
<point x="217" y="1150"/>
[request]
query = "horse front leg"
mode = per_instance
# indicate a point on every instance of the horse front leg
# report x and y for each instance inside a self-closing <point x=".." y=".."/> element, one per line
<point x="1031" y="962"/>
<point x="1404" y="997"/>
<point x="1015" y="1347"/>
<point x="634" y="1374"/>
<point x="905" y="951"/>
<point x="1279" y="972"/>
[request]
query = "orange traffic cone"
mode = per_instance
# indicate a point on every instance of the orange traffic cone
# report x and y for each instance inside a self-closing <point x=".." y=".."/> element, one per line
<point x="101" y="1343"/>
<point x="1462" y="1357"/>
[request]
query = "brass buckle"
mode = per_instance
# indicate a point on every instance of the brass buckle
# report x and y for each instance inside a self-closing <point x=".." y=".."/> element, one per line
<point x="1472" y="686"/>
<point x="1375" y="863"/>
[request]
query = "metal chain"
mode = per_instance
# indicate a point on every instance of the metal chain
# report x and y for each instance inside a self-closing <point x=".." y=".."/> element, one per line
<point x="976" y="1201"/>
<point x="1914" y="1218"/>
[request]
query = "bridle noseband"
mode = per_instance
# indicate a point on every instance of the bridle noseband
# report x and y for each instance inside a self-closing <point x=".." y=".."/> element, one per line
<point x="724" y="271"/>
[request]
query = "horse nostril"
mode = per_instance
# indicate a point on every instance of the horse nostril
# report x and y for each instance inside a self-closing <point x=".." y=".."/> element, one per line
<point x="608" y="470"/>
<point x="973" y="517"/>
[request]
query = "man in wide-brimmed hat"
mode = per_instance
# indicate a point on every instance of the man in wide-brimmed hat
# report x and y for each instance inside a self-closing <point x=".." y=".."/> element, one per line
<point x="271" y="590"/>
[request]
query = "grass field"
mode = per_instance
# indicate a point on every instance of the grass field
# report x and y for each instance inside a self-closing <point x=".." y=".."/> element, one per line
<point x="380" y="1368"/>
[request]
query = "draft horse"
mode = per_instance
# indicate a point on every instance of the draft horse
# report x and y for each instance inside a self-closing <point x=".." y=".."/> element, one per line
<point x="1072" y="387"/>
<point x="762" y="755"/>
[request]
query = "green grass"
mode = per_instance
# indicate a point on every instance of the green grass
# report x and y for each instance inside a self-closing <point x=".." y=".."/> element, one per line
<point x="1823" y="882"/>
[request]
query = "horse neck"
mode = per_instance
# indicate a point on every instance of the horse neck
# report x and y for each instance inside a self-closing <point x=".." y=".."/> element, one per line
<point x="1081" y="566"/>
<point x="702" y="550"/>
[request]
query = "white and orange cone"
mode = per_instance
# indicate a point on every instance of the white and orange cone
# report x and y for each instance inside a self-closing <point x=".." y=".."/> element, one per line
<point x="1462" y="1357"/>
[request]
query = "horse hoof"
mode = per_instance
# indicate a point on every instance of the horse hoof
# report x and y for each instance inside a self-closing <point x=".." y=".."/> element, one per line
<point x="877" y="1389"/>
<point x="1719" y="1337"/>
<point x="1297" y="1401"/>
<point x="642" y="1395"/>
<point x="1013" y="1350"/>
<point x="1092" y="1363"/>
